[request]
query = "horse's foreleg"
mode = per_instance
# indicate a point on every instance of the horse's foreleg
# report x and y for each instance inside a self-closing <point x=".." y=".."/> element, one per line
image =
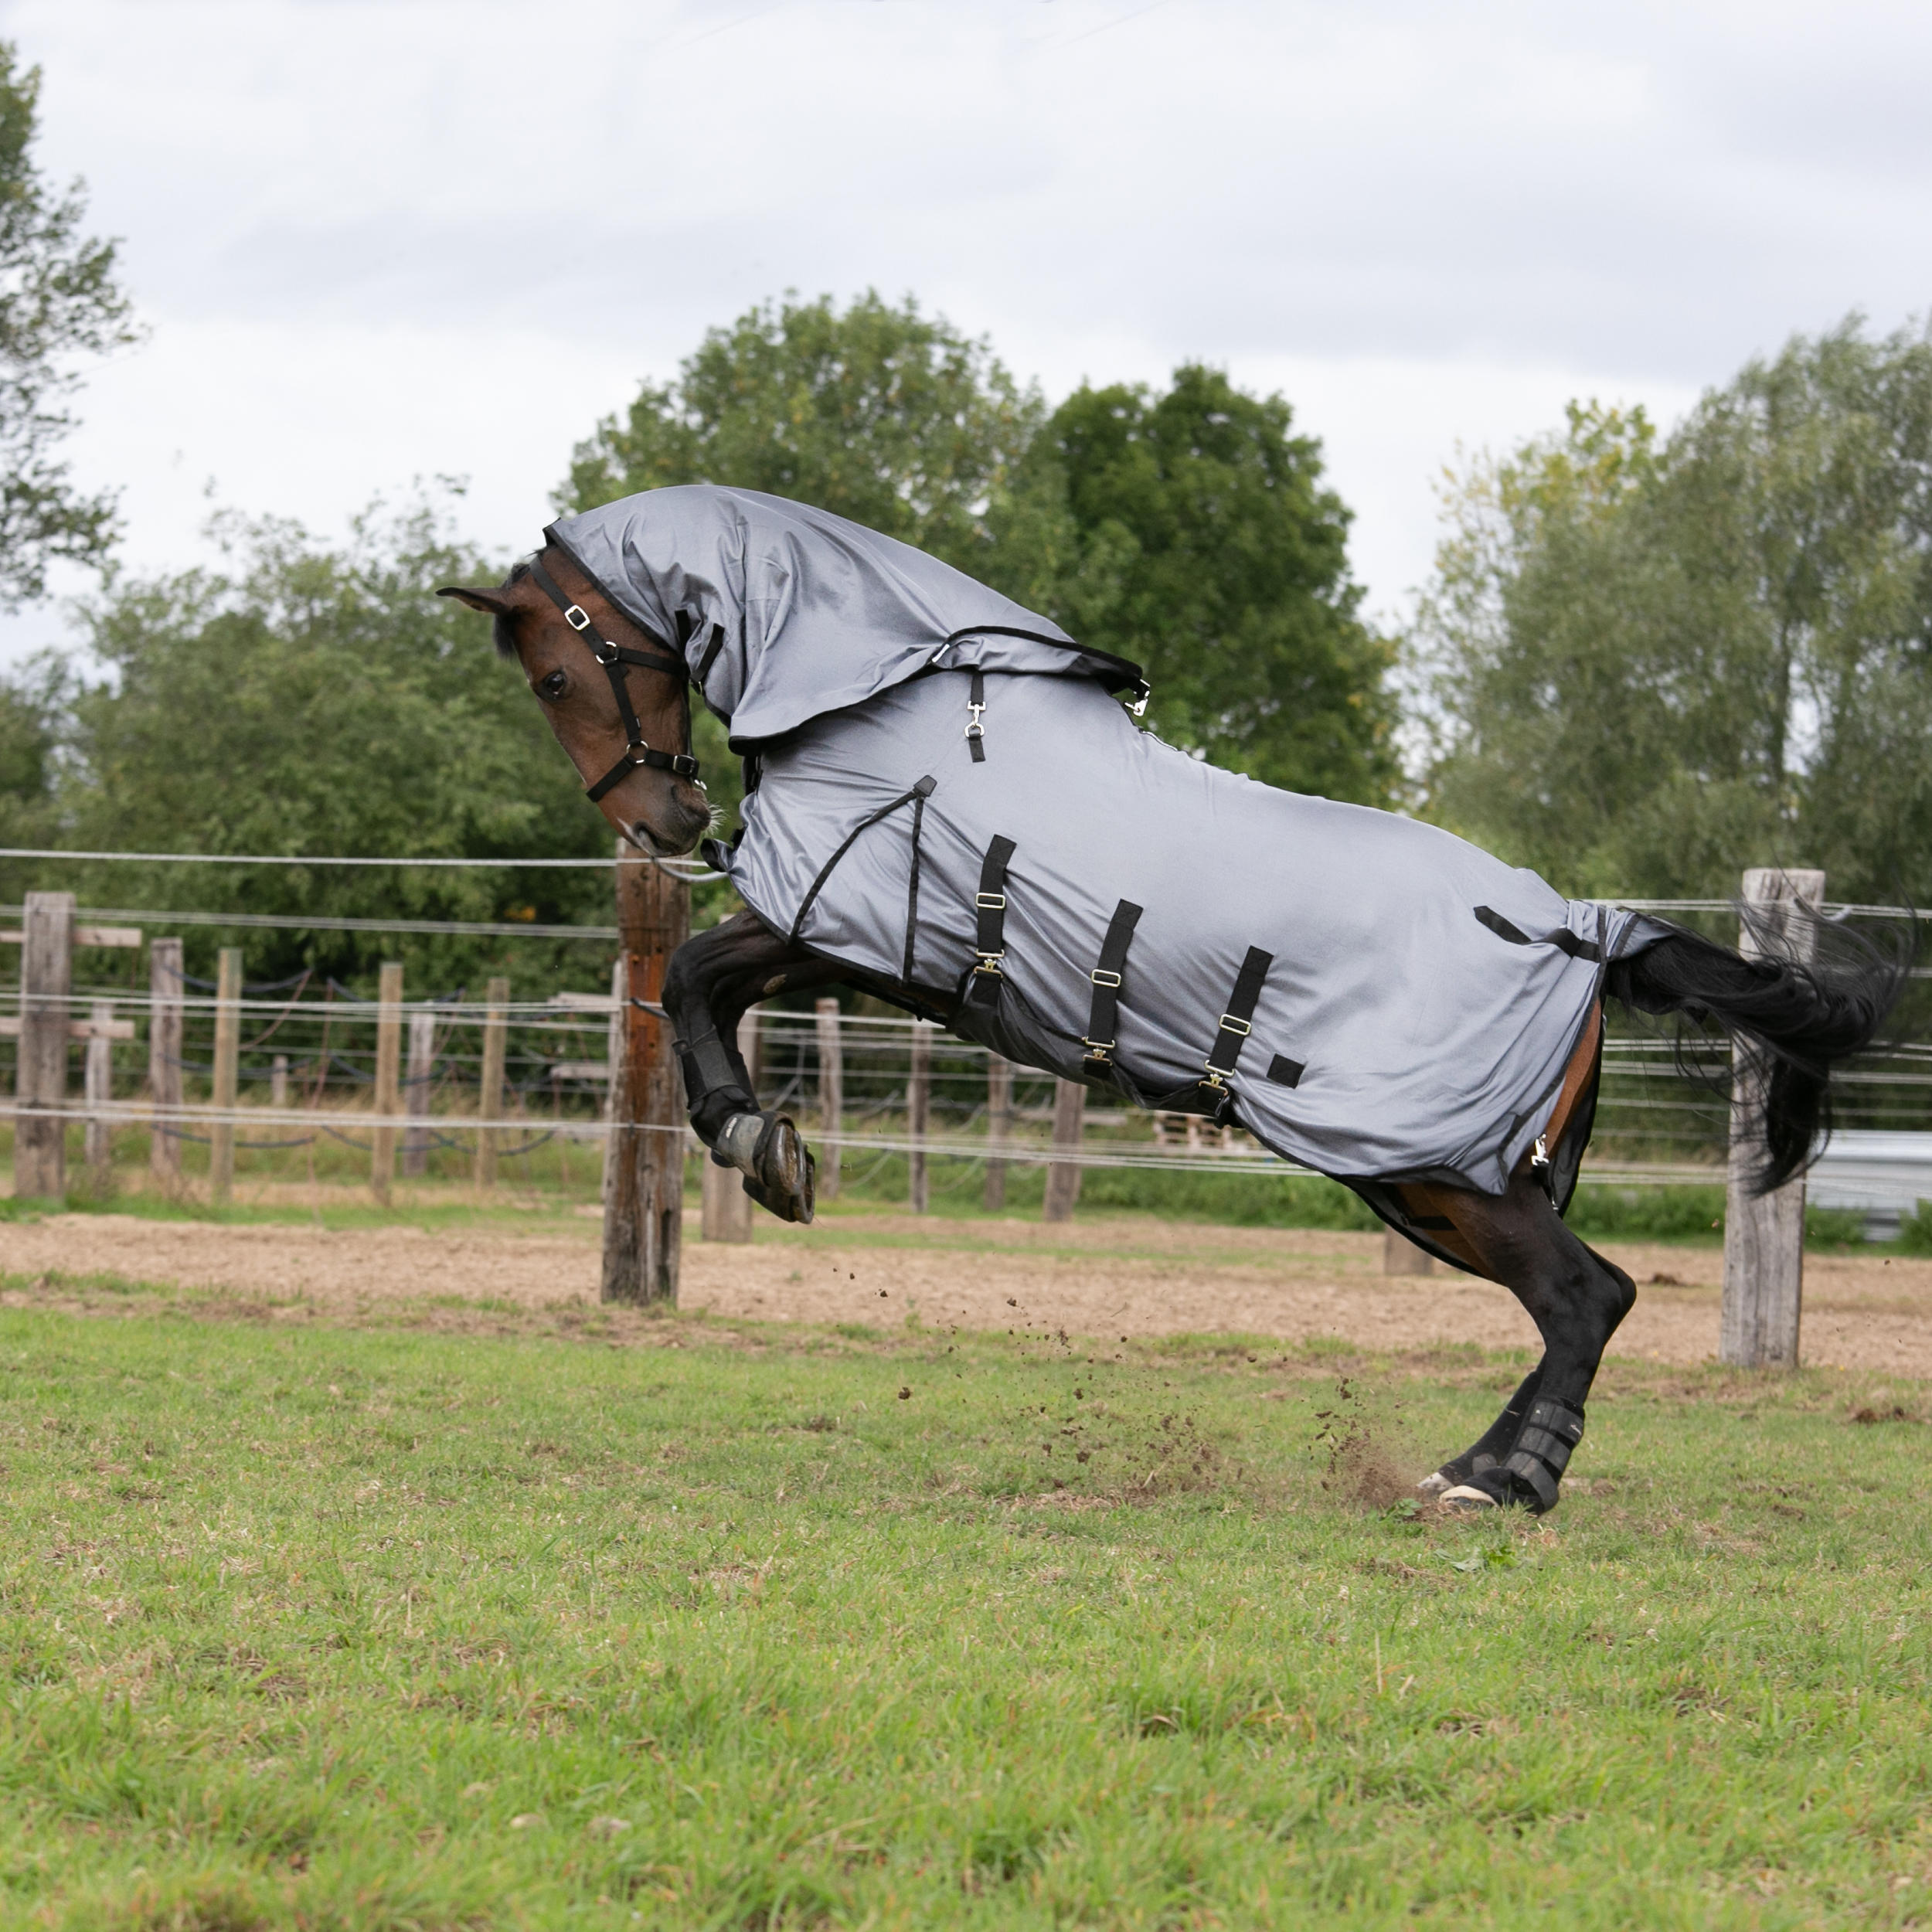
<point x="1577" y="1299"/>
<point x="711" y="981"/>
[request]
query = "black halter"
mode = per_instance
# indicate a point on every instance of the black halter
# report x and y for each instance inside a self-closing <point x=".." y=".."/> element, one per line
<point x="614" y="658"/>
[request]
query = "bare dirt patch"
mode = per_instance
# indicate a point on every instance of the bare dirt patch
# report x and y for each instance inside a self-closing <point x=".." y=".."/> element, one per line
<point x="1120" y="1275"/>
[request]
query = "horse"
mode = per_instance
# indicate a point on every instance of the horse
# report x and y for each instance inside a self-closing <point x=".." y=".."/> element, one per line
<point x="614" y="668"/>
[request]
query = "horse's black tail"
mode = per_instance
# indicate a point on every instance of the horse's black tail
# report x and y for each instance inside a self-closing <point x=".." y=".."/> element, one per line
<point x="1795" y="1021"/>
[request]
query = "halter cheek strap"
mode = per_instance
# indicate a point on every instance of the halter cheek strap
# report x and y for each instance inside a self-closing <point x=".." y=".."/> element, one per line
<point x="614" y="658"/>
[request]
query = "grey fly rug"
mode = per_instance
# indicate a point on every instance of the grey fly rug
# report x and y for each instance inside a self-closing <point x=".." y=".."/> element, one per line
<point x="950" y="799"/>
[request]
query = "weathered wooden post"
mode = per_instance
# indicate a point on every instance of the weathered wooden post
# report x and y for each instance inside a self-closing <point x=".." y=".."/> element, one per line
<point x="490" y="1099"/>
<point x="165" y="988"/>
<point x="1401" y="1256"/>
<point x="919" y="1104"/>
<point x="727" y="1214"/>
<point x="99" y="1078"/>
<point x="1764" y="1234"/>
<point x="831" y="1095"/>
<point x="40" y="1074"/>
<point x="612" y="1053"/>
<point x="421" y="1073"/>
<point x="643" y="1217"/>
<point x="1063" y="1177"/>
<point x="999" y="1122"/>
<point x="221" y="1131"/>
<point x="389" y="1100"/>
<point x="278" y="1083"/>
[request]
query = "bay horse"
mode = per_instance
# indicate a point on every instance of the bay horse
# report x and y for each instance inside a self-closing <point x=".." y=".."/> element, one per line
<point x="617" y="697"/>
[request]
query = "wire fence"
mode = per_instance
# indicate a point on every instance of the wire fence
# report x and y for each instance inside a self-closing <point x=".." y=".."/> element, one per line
<point x="306" y="1069"/>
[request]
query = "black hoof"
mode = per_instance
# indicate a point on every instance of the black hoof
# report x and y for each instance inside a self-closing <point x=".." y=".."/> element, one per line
<point x="784" y="1183"/>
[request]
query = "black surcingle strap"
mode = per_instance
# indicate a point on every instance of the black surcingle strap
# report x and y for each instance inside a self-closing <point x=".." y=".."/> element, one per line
<point x="614" y="658"/>
<point x="1103" y="1020"/>
<point x="976" y="704"/>
<point x="1562" y="938"/>
<point x="1233" y="1031"/>
<point x="989" y="912"/>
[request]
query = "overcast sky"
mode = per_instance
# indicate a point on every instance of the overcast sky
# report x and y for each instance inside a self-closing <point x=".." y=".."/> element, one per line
<point x="380" y="239"/>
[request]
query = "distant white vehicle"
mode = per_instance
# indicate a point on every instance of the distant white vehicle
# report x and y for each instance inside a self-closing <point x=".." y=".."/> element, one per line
<point x="1882" y="1176"/>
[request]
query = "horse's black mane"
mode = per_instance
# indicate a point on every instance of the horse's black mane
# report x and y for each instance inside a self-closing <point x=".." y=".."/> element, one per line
<point x="500" y="628"/>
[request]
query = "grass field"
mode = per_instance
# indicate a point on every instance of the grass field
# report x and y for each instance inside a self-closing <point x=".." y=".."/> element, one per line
<point x="334" y="1628"/>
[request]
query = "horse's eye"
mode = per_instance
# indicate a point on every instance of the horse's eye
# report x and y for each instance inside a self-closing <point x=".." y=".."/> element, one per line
<point x="553" y="687"/>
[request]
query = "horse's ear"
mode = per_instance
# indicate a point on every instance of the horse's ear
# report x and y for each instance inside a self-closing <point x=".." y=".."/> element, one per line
<point x="492" y="603"/>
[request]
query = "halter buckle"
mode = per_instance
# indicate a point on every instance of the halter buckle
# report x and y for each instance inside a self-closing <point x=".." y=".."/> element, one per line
<point x="576" y="616"/>
<point x="604" y="651"/>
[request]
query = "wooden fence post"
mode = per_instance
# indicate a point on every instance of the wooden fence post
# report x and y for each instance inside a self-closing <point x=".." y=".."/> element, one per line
<point x="165" y="988"/>
<point x="613" y="1054"/>
<point x="643" y="1217"/>
<point x="918" y="1103"/>
<point x="1764" y="1234"/>
<point x="389" y="1100"/>
<point x="40" y="1074"/>
<point x="99" y="1095"/>
<point x="999" y="1121"/>
<point x="1401" y="1256"/>
<point x="278" y="1083"/>
<point x="221" y="1133"/>
<point x="727" y="1215"/>
<point x="1063" y="1177"/>
<point x="421" y="1072"/>
<point x="490" y="1102"/>
<point x="831" y="1095"/>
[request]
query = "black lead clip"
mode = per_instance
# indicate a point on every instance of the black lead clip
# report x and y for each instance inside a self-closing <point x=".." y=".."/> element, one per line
<point x="975" y="731"/>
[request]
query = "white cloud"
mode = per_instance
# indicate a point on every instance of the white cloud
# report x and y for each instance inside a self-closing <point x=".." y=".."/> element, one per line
<point x="381" y="239"/>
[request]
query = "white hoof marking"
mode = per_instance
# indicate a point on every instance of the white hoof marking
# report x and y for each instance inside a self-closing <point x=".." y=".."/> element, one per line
<point x="1433" y="1485"/>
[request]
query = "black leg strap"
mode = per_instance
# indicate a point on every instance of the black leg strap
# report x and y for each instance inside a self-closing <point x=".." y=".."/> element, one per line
<point x="1550" y="1432"/>
<point x="989" y="912"/>
<point x="1102" y="1020"/>
<point x="1233" y="1031"/>
<point x="976" y="704"/>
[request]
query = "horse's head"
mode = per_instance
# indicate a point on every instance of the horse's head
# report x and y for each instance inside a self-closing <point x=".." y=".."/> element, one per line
<point x="618" y="701"/>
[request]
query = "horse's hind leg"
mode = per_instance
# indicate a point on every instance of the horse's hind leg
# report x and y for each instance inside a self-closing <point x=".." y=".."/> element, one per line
<point x="1577" y="1299"/>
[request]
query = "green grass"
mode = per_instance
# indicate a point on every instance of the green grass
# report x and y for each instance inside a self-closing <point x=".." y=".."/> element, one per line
<point x="687" y="1625"/>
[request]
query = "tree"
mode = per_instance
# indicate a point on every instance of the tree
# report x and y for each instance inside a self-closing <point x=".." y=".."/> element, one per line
<point x="1649" y="665"/>
<point x="1192" y="532"/>
<point x="57" y="300"/>
<point x="317" y="700"/>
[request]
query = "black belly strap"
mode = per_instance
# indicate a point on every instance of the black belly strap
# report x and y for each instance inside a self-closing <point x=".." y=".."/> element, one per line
<point x="1231" y="1034"/>
<point x="1103" y="1020"/>
<point x="989" y="913"/>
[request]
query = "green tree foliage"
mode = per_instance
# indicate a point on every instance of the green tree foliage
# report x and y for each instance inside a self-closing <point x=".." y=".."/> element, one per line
<point x="1192" y="532"/>
<point x="312" y="700"/>
<point x="57" y="300"/>
<point x="1649" y="663"/>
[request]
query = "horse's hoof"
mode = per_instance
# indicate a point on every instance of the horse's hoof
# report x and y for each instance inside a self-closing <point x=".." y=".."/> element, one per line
<point x="1465" y="1498"/>
<point x="1434" y="1484"/>
<point x="785" y="1172"/>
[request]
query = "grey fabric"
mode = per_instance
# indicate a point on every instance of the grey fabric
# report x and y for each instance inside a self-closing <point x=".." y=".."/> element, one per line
<point x="816" y="612"/>
<point x="1421" y="1042"/>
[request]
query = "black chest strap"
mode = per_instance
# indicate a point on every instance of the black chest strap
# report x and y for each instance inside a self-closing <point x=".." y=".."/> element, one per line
<point x="1231" y="1034"/>
<point x="989" y="917"/>
<point x="1103" y="1020"/>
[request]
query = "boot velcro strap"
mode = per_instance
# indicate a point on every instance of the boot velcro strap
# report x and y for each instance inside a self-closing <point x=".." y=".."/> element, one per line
<point x="1553" y="1449"/>
<point x="1558" y="1418"/>
<point x="1531" y="1470"/>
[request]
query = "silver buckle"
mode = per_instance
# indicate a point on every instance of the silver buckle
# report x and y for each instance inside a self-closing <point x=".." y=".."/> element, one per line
<point x="975" y="729"/>
<point x="1230" y="1025"/>
<point x="578" y="618"/>
<point x="1101" y="977"/>
<point x="989" y="963"/>
<point x="1098" y="1049"/>
<point x="1540" y="1155"/>
<point x="991" y="902"/>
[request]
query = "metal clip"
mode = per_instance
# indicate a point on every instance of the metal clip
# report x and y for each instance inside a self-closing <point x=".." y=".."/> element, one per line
<point x="1539" y="1154"/>
<point x="1142" y="692"/>
<point x="989" y="965"/>
<point x="975" y="729"/>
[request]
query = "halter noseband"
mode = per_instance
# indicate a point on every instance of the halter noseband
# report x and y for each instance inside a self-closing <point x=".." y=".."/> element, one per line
<point x="614" y="658"/>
